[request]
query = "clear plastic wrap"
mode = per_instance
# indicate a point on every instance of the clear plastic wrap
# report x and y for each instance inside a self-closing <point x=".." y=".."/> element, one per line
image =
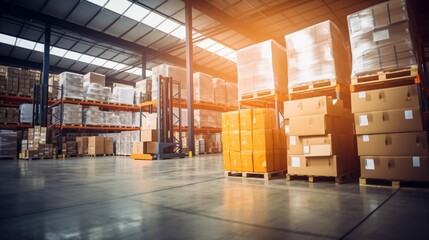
<point x="93" y="116"/>
<point x="8" y="144"/>
<point x="72" y="114"/>
<point x="143" y="90"/>
<point x="207" y="118"/>
<point x="123" y="95"/>
<point x="26" y="113"/>
<point x="136" y="119"/>
<point x="380" y="38"/>
<point x="262" y="67"/>
<point x="165" y="70"/>
<point x="231" y="94"/>
<point x="107" y="91"/>
<point x="94" y="91"/>
<point x="203" y="87"/>
<point x="317" y="53"/>
<point x="219" y="91"/>
<point x="73" y="85"/>
<point x="127" y="138"/>
<point x="126" y="118"/>
<point x="111" y="118"/>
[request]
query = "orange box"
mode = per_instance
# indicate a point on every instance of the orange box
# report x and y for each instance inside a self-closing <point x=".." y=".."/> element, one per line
<point x="233" y="121"/>
<point x="225" y="121"/>
<point x="279" y="139"/>
<point x="226" y="161"/>
<point x="279" y="158"/>
<point x="225" y="141"/>
<point x="263" y="161"/>
<point x="263" y="119"/>
<point x="247" y="161"/>
<point x="263" y="139"/>
<point x="246" y="119"/>
<point x="234" y="141"/>
<point x="246" y="140"/>
<point x="235" y="160"/>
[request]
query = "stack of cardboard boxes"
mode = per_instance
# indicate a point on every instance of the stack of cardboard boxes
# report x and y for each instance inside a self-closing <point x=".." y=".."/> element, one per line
<point x="391" y="136"/>
<point x="53" y="86"/>
<point x="93" y="86"/>
<point x="72" y="85"/>
<point x="251" y="143"/>
<point x="9" y="115"/>
<point x="3" y="78"/>
<point x="12" y="80"/>
<point x="8" y="144"/>
<point x="35" y="146"/>
<point x="320" y="138"/>
<point x="148" y="142"/>
<point x="143" y="90"/>
<point x="27" y="79"/>
<point x="69" y="146"/>
<point x="203" y="87"/>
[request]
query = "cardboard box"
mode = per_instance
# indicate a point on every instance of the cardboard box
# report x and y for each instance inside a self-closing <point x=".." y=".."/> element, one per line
<point x="226" y="161"/>
<point x="327" y="145"/>
<point x="279" y="139"/>
<point x="294" y="145"/>
<point x="225" y="141"/>
<point x="247" y="161"/>
<point x="404" y="97"/>
<point x="389" y="121"/>
<point x="93" y="77"/>
<point x="246" y="140"/>
<point x="393" y="144"/>
<point x="263" y="161"/>
<point x="234" y="141"/>
<point x="151" y="147"/>
<point x="139" y="147"/>
<point x="262" y="139"/>
<point x="319" y="125"/>
<point x="95" y="145"/>
<point x="329" y="166"/>
<point x="246" y="119"/>
<point x="225" y="121"/>
<point x="233" y="121"/>
<point x="313" y="106"/>
<point x="235" y="159"/>
<point x="148" y="135"/>
<point x="82" y="145"/>
<point x="280" y="162"/>
<point x="406" y="168"/>
<point x="108" y="145"/>
<point x="263" y="119"/>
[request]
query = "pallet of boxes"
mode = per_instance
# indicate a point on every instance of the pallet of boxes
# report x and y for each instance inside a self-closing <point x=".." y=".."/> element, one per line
<point x="390" y="123"/>
<point x="147" y="146"/>
<point x="34" y="145"/>
<point x="252" y="145"/>
<point x="320" y="140"/>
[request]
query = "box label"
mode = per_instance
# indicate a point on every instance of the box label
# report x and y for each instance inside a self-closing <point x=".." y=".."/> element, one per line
<point x="408" y="114"/>
<point x="363" y="120"/>
<point x="296" y="162"/>
<point x="369" y="164"/>
<point x="306" y="149"/>
<point x="362" y="95"/>
<point x="292" y="140"/>
<point x="416" y="161"/>
<point x="365" y="138"/>
<point x="287" y="129"/>
<point x="380" y="35"/>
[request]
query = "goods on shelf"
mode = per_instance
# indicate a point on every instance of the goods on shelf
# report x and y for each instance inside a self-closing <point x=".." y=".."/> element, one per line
<point x="207" y="118"/>
<point x="82" y="145"/>
<point x="391" y="134"/>
<point x="320" y="139"/>
<point x="136" y="119"/>
<point x="8" y="144"/>
<point x="317" y="53"/>
<point x="122" y="95"/>
<point x="27" y="79"/>
<point x="26" y="113"/>
<point x="111" y="118"/>
<point x="208" y="142"/>
<point x="9" y="115"/>
<point x="35" y="145"/>
<point x="93" y="77"/>
<point x="3" y="78"/>
<point x="72" y="85"/>
<point x="93" y="116"/>
<point x="203" y="87"/>
<point x="107" y="91"/>
<point x="149" y="121"/>
<point x="231" y="94"/>
<point x="94" y="91"/>
<point x="261" y="67"/>
<point x="72" y="114"/>
<point x="126" y="118"/>
<point x="143" y="90"/>
<point x="165" y="70"/>
<point x="53" y="86"/>
<point x="380" y="38"/>
<point x="219" y="91"/>
<point x="125" y="144"/>
<point x="251" y="143"/>
<point x="12" y="80"/>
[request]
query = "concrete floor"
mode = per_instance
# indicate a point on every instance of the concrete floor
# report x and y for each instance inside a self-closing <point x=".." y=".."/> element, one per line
<point x="118" y="198"/>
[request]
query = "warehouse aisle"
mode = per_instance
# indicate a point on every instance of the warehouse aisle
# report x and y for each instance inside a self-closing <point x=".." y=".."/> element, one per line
<point x="115" y="197"/>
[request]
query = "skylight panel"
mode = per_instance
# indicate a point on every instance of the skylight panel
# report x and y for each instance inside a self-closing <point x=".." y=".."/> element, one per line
<point x="98" y="2"/>
<point x="59" y="52"/>
<point x="136" y="12"/>
<point x="167" y="26"/>
<point x="72" y="55"/>
<point x="86" y="58"/>
<point x="231" y="57"/>
<point x="39" y="47"/>
<point x="110" y="64"/>
<point x="180" y="32"/>
<point x="6" y="39"/>
<point x="205" y="43"/>
<point x="119" y="66"/>
<point x="25" y="44"/>
<point x="225" y="51"/>
<point x="215" y="48"/>
<point x="99" y="62"/>
<point x="153" y="19"/>
<point x="118" y="6"/>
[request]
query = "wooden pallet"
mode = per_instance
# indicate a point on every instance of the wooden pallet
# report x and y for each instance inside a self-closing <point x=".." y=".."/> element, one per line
<point x="265" y="176"/>
<point x="98" y="155"/>
<point x="382" y="79"/>
<point x="370" y="182"/>
<point x="315" y="86"/>
<point x="74" y="99"/>
<point x="310" y="178"/>
<point x="257" y="94"/>
<point x="36" y="158"/>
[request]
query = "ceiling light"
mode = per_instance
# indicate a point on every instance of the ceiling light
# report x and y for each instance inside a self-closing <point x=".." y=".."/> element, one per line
<point x="118" y="6"/>
<point x="136" y="12"/>
<point x="153" y="19"/>
<point x="167" y="26"/>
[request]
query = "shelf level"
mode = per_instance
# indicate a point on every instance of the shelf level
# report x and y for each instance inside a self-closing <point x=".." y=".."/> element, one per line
<point x="105" y="128"/>
<point x="99" y="104"/>
<point x="197" y="105"/>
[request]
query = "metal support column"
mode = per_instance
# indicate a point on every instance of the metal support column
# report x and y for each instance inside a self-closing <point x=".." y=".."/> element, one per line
<point x="45" y="79"/>
<point x="189" y="76"/>
<point x="144" y="62"/>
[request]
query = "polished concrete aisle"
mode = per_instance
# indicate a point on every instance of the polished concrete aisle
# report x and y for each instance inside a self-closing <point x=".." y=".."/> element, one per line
<point x="118" y="198"/>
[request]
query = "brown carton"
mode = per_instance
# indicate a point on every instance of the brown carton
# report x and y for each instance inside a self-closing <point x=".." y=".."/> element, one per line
<point x="246" y="119"/>
<point x="151" y="147"/>
<point x="393" y="144"/>
<point x="263" y="119"/>
<point x="280" y="162"/>
<point x="385" y="99"/>
<point x="225" y="141"/>
<point x="234" y="141"/>
<point x="332" y="166"/>
<point x="327" y="145"/>
<point x="92" y="77"/>
<point x="389" y="121"/>
<point x="313" y="106"/>
<point x="82" y="145"/>
<point x="263" y="139"/>
<point x="139" y="147"/>
<point x="406" y="168"/>
<point x="108" y="145"/>
<point x="318" y="125"/>
<point x="148" y="135"/>
<point x="95" y="145"/>
<point x="294" y="145"/>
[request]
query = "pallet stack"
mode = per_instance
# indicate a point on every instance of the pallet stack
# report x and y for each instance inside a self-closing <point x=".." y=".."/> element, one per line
<point x="27" y="79"/>
<point x="9" y="115"/>
<point x="72" y="85"/>
<point x="3" y="78"/>
<point x="251" y="143"/>
<point x="34" y="145"/>
<point x="12" y="80"/>
<point x="8" y="144"/>
<point x="389" y="122"/>
<point x="320" y="139"/>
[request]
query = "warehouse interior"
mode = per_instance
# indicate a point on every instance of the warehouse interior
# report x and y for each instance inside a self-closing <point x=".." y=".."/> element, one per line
<point x="101" y="138"/>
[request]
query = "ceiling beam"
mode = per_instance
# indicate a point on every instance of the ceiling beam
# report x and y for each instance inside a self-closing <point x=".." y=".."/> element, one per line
<point x="11" y="9"/>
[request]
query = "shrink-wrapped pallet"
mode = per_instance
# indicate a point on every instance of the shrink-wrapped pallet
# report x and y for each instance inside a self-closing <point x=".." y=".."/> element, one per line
<point x="72" y="85"/>
<point x="165" y="70"/>
<point x="26" y="113"/>
<point x="231" y="94"/>
<point x="72" y="114"/>
<point x="111" y="118"/>
<point x="94" y="91"/>
<point x="143" y="90"/>
<point x="126" y="118"/>
<point x="93" y="116"/>
<point x="219" y="91"/>
<point x="8" y="144"/>
<point x="317" y="53"/>
<point x="203" y="87"/>
<point x="123" y="95"/>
